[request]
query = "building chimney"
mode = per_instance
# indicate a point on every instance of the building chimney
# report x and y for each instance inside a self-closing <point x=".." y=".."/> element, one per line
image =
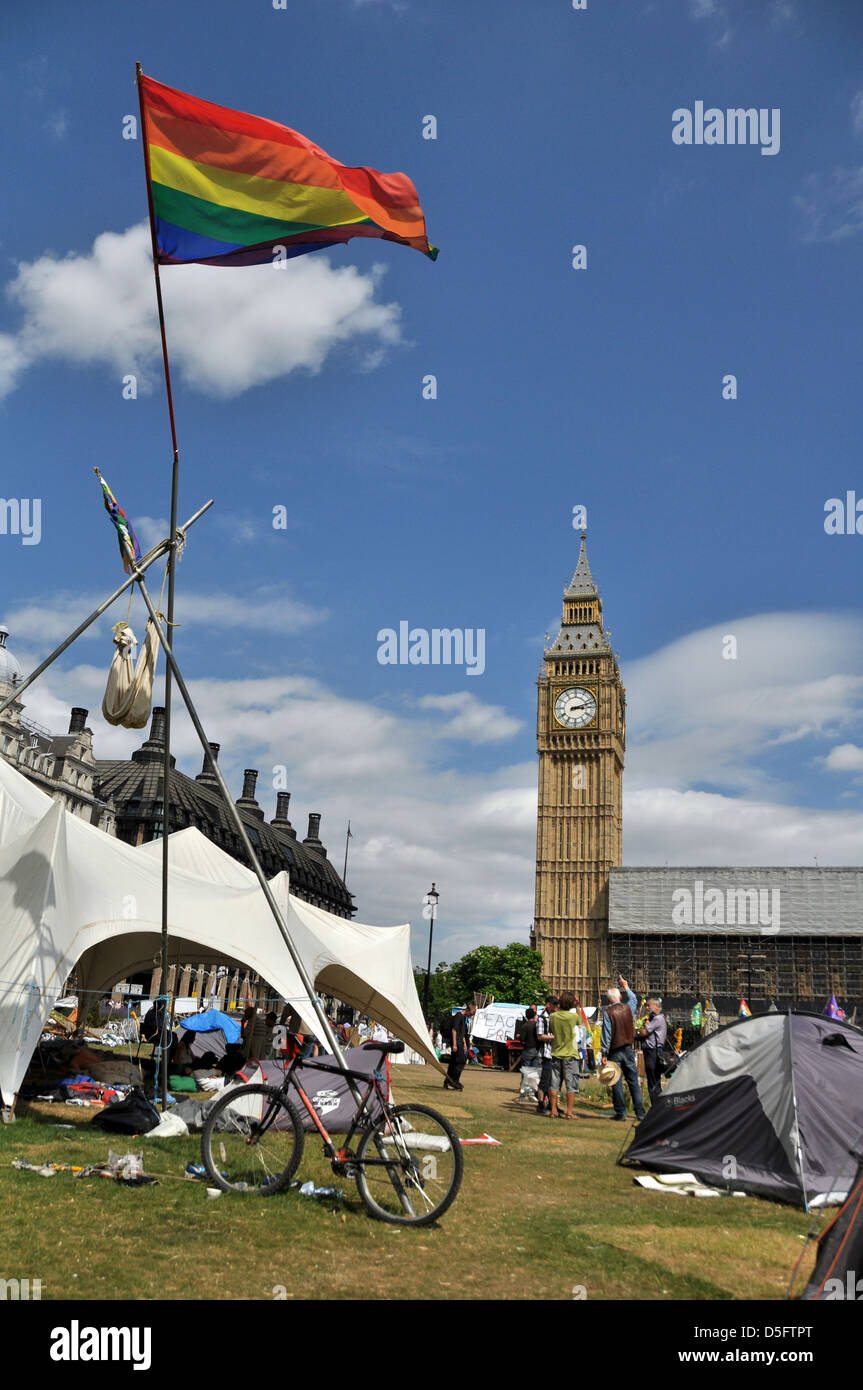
<point x="206" y="775"/>
<point x="77" y="720"/>
<point x="283" y="801"/>
<point x="247" y="801"/>
<point x="153" y="749"/>
<point x="313" y="839"/>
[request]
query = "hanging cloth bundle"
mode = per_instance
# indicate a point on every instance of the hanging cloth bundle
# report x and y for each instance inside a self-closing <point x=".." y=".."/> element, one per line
<point x="129" y="692"/>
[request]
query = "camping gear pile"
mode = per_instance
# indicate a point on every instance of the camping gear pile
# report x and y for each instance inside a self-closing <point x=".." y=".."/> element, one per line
<point x="770" y="1105"/>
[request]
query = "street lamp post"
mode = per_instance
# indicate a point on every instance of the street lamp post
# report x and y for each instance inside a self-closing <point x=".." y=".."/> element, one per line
<point x="430" y="911"/>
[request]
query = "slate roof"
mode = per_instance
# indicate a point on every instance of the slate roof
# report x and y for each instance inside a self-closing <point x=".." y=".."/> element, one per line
<point x="801" y="901"/>
<point x="136" y="788"/>
<point x="582" y="581"/>
<point x="575" y="638"/>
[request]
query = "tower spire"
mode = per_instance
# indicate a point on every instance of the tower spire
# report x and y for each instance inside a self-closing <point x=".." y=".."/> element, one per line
<point x="582" y="580"/>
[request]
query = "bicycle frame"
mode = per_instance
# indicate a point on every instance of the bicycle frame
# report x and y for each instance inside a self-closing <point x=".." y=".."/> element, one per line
<point x="362" y="1117"/>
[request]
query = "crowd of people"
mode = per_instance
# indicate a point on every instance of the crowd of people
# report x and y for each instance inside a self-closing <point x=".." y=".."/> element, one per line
<point x="558" y="1041"/>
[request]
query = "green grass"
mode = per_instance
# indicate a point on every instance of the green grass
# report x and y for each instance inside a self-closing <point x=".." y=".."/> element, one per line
<point x="545" y="1212"/>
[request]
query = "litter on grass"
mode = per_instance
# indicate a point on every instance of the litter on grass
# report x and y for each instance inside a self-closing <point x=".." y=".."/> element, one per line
<point x="682" y="1184"/>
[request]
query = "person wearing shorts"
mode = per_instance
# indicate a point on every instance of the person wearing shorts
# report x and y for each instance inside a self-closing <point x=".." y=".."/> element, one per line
<point x="564" y="1053"/>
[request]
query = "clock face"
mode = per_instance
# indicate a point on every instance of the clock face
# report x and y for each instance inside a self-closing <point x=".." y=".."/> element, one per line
<point x="574" y="708"/>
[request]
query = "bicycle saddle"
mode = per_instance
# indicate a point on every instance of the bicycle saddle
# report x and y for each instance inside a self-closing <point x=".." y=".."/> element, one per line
<point x="394" y="1046"/>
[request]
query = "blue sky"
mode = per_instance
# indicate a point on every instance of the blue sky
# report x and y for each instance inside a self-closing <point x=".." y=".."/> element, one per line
<point x="555" y="387"/>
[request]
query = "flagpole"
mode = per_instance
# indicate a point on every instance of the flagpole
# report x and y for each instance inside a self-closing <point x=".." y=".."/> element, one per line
<point x="172" y="560"/>
<point x="348" y="838"/>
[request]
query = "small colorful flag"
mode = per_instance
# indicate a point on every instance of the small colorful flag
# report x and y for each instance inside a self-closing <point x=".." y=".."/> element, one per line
<point x="125" y="535"/>
<point x="833" y="1010"/>
<point x="233" y="189"/>
<point x="744" y="1011"/>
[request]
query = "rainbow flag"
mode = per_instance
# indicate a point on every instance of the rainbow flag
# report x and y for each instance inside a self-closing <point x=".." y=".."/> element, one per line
<point x="833" y="1010"/>
<point x="125" y="534"/>
<point x="744" y="1011"/>
<point x="230" y="189"/>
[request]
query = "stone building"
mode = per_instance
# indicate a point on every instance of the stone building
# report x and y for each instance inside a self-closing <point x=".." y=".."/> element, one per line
<point x="63" y="765"/>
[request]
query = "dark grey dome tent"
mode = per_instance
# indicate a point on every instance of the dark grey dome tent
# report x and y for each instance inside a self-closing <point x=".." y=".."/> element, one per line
<point x="771" y="1105"/>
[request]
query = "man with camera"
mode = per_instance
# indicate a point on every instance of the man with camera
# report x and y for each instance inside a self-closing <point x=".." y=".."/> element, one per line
<point x="653" y="1035"/>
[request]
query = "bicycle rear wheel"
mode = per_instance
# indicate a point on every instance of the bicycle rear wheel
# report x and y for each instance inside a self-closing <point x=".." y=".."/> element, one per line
<point x="253" y="1140"/>
<point x="409" y="1166"/>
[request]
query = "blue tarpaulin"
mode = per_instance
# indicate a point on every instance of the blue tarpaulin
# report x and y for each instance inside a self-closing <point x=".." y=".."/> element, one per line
<point x="211" y="1020"/>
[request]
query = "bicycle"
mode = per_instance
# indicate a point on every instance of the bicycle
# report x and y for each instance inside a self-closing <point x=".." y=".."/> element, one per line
<point x="408" y="1163"/>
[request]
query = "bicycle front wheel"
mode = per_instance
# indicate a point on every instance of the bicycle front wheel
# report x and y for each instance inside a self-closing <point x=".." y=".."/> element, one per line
<point x="409" y="1166"/>
<point x="253" y="1140"/>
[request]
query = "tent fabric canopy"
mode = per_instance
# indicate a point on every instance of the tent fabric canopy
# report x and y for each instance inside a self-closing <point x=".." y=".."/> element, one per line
<point x="70" y="895"/>
<point x="728" y="1113"/>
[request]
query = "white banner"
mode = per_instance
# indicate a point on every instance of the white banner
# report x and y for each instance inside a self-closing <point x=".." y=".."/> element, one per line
<point x="497" y="1022"/>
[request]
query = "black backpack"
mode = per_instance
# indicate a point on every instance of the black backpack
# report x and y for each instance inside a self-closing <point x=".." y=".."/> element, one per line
<point x="134" y="1115"/>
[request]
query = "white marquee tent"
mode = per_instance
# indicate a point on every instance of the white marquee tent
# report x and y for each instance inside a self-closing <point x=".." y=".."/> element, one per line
<point x="70" y="895"/>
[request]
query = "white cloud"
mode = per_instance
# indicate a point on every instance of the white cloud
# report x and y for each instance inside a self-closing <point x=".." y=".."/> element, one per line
<point x="716" y="13"/>
<point x="845" y="757"/>
<point x="12" y="363"/>
<point x="663" y="825"/>
<point x="150" y="530"/>
<point x="471" y="719"/>
<point x="699" y="719"/>
<point x="268" y="609"/>
<point x="228" y="328"/>
<point x="782" y="12"/>
<point x="831" y="205"/>
<point x="57" y="124"/>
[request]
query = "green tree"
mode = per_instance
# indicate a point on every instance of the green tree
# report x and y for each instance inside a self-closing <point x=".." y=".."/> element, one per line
<point x="512" y="974"/>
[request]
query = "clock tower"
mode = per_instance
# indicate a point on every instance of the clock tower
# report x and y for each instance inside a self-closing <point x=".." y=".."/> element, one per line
<point x="580" y="734"/>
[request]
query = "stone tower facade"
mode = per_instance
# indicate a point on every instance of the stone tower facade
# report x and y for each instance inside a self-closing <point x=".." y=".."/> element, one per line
<point x="581" y="732"/>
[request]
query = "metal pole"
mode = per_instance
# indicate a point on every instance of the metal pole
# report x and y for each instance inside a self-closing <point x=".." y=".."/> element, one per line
<point x="347" y="842"/>
<point x="172" y="561"/>
<point x="234" y="816"/>
<point x="149" y="559"/>
<point x="433" y="901"/>
<point x="796" y="1117"/>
